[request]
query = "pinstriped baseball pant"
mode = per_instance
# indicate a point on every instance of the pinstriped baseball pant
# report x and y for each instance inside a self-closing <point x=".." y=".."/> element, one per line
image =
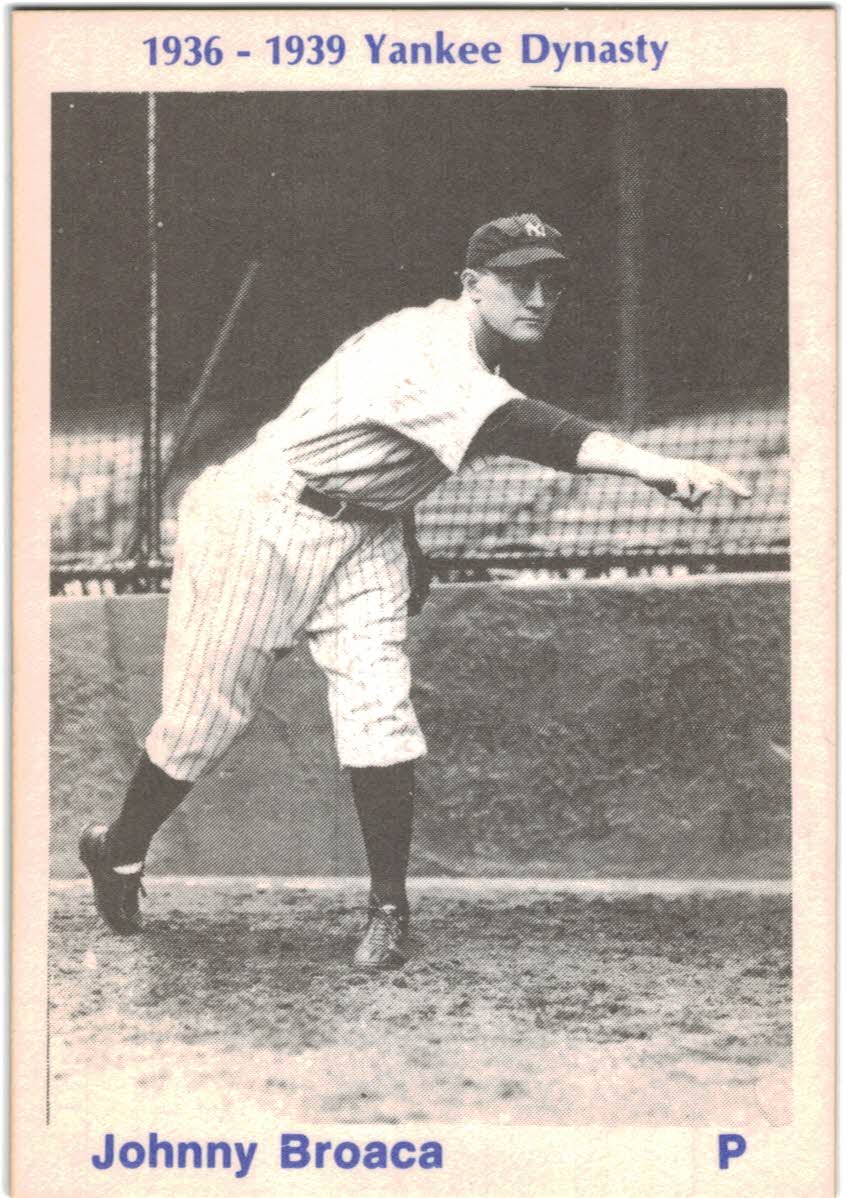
<point x="252" y="575"/>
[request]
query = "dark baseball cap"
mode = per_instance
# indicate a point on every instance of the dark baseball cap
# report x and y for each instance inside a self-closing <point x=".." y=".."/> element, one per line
<point x="513" y="241"/>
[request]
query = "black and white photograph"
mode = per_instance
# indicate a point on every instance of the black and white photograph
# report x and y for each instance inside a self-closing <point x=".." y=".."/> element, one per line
<point x="420" y="644"/>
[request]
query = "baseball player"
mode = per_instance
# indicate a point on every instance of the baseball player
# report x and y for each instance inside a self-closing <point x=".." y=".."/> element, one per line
<point x="307" y="534"/>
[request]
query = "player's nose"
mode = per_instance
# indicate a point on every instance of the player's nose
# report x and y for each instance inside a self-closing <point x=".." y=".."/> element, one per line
<point x="536" y="297"/>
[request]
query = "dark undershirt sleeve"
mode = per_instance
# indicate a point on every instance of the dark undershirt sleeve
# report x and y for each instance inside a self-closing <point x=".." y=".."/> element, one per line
<point x="532" y="430"/>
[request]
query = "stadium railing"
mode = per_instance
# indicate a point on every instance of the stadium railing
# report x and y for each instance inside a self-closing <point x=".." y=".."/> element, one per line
<point x="497" y="517"/>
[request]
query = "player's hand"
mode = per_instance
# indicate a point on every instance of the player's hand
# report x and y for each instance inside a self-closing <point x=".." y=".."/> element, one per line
<point x="689" y="482"/>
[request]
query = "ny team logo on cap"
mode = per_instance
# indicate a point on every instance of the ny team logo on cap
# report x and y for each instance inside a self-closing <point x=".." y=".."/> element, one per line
<point x="514" y="241"/>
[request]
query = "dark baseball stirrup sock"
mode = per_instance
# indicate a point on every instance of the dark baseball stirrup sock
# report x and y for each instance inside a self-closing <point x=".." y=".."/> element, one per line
<point x="384" y="798"/>
<point x="151" y="797"/>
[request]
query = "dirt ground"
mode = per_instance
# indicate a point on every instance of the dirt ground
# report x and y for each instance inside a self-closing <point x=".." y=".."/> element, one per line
<point x="530" y="1005"/>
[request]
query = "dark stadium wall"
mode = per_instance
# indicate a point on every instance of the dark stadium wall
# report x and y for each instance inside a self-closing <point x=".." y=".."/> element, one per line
<point x="673" y="205"/>
<point x="618" y="729"/>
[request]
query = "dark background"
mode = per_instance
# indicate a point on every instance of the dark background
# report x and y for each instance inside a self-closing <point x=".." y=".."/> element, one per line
<point x="672" y="203"/>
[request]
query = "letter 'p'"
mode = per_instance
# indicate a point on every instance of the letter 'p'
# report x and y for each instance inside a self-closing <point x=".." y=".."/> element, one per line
<point x="730" y="1146"/>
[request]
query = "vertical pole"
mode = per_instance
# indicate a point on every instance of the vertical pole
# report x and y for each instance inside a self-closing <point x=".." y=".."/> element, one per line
<point x="629" y="157"/>
<point x="152" y="536"/>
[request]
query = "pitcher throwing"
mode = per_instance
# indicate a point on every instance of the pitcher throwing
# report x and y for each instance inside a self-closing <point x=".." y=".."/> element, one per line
<point x="308" y="533"/>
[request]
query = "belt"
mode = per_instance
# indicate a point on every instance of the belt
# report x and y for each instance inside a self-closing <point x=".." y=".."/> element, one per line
<point x="342" y="509"/>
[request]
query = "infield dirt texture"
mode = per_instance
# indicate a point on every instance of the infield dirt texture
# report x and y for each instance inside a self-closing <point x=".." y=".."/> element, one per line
<point x="535" y="1007"/>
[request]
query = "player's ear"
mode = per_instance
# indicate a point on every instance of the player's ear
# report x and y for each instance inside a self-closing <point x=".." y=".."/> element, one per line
<point x="470" y="282"/>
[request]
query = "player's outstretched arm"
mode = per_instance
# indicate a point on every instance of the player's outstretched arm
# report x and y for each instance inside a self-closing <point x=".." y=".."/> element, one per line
<point x="687" y="482"/>
<point x="537" y="432"/>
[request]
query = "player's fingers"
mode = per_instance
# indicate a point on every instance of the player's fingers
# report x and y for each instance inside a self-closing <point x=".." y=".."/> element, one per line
<point x="703" y="479"/>
<point x="702" y="483"/>
<point x="695" y="497"/>
<point x="690" y="488"/>
<point x="733" y="484"/>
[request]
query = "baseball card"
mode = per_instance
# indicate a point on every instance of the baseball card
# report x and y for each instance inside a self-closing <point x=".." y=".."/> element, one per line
<point x="424" y="602"/>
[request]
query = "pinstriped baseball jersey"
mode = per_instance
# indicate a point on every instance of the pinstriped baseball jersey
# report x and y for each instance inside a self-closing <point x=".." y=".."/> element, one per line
<point x="391" y="413"/>
<point x="383" y="421"/>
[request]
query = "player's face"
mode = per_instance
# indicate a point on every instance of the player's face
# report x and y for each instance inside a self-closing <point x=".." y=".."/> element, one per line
<point x="518" y="303"/>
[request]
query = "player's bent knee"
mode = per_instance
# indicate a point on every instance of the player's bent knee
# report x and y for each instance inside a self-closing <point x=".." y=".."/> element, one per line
<point x="375" y="727"/>
<point x="186" y="756"/>
<point x="182" y="767"/>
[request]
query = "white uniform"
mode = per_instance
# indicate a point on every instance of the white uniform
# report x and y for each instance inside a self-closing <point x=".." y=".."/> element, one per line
<point x="386" y="419"/>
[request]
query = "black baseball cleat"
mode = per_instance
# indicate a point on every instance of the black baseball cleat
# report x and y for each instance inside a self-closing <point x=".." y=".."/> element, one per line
<point x="115" y="894"/>
<point x="383" y="945"/>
